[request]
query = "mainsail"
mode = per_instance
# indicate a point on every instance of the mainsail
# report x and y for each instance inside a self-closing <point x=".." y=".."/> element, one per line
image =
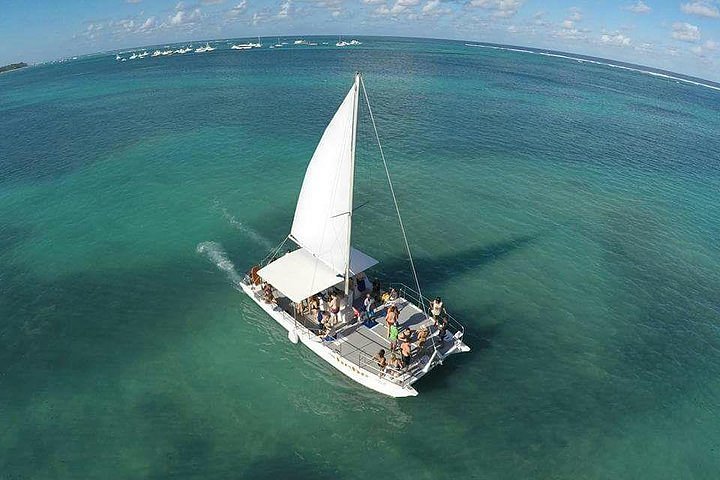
<point x="322" y="220"/>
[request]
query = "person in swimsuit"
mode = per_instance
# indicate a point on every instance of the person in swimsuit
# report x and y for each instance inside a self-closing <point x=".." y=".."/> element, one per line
<point x="334" y="307"/>
<point x="381" y="360"/>
<point x="422" y="337"/>
<point x="391" y="317"/>
<point x="406" y="352"/>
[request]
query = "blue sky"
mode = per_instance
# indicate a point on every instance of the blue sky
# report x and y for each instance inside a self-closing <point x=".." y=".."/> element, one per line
<point x="682" y="36"/>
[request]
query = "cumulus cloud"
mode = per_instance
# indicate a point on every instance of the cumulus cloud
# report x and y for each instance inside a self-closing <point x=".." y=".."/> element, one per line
<point x="704" y="49"/>
<point x="685" y="32"/>
<point x="615" y="39"/>
<point x="701" y="9"/>
<point x="183" y="17"/>
<point x="499" y="8"/>
<point x="238" y="9"/>
<point x="639" y="7"/>
<point x="148" y="25"/>
<point x="400" y="6"/>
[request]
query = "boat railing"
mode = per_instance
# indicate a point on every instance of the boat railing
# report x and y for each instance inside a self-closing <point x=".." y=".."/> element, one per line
<point x="411" y="294"/>
<point x="368" y="363"/>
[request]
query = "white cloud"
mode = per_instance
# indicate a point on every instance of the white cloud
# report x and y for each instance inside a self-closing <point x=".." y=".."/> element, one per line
<point x="701" y="9"/>
<point x="133" y="1"/>
<point x="616" y="39"/>
<point x="639" y="7"/>
<point x="431" y="6"/>
<point x="211" y="2"/>
<point x="685" y="32"/>
<point x="575" y="14"/>
<point x="148" y="25"/>
<point x="704" y="49"/>
<point x="373" y="2"/>
<point x="182" y="17"/>
<point x="499" y="8"/>
<point x="180" y="5"/>
<point x="238" y="9"/>
<point x="285" y="9"/>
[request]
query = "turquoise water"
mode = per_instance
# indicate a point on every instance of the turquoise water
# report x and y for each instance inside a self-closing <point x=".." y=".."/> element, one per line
<point x="566" y="212"/>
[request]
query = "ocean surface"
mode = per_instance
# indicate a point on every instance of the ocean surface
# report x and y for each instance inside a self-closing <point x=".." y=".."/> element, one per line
<point x="568" y="212"/>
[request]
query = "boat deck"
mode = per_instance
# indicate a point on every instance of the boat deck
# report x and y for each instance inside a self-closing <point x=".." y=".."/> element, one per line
<point x="358" y="342"/>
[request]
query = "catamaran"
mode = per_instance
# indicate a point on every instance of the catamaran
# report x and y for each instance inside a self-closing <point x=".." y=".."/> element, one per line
<point x="291" y="287"/>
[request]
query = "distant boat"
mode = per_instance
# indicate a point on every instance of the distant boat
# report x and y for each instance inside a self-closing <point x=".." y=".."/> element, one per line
<point x="341" y="43"/>
<point x="355" y="42"/>
<point x="300" y="42"/>
<point x="325" y="263"/>
<point x="247" y="46"/>
<point x="143" y="55"/>
<point x="278" y="44"/>
<point x="133" y="56"/>
<point x="118" y="57"/>
<point x="206" y="48"/>
<point x="156" y="53"/>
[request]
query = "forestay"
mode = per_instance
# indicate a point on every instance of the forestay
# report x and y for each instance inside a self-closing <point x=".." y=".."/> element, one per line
<point x="299" y="275"/>
<point x="322" y="218"/>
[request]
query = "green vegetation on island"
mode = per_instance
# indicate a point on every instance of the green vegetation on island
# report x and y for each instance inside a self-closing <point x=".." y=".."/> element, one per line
<point x="12" y="66"/>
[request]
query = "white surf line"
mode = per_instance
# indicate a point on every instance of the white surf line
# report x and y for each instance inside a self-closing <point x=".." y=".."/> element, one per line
<point x="216" y="254"/>
<point x="585" y="60"/>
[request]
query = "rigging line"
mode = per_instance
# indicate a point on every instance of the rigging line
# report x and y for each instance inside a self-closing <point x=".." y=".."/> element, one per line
<point x="397" y="209"/>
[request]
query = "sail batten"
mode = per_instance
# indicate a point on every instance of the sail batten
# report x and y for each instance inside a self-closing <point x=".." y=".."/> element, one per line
<point x="323" y="214"/>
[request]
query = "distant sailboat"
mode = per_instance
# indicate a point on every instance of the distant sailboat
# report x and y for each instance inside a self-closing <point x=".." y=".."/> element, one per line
<point x="206" y="48"/>
<point x="247" y="46"/>
<point x="341" y="43"/>
<point x="325" y="263"/>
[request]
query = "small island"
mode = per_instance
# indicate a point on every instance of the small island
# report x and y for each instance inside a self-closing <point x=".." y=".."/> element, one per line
<point x="12" y="66"/>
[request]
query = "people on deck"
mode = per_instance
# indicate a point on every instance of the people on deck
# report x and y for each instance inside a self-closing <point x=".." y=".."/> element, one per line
<point x="436" y="309"/>
<point x="406" y="352"/>
<point x="395" y="364"/>
<point x="406" y="335"/>
<point x="442" y="328"/>
<point x="361" y="282"/>
<point x="391" y="317"/>
<point x="334" y="307"/>
<point x="393" y="336"/>
<point x="422" y="337"/>
<point x="392" y="295"/>
<point x="268" y="295"/>
<point x="381" y="360"/>
<point x="369" y="303"/>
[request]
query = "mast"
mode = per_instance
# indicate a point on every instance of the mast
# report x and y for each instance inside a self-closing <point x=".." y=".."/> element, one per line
<point x="356" y="87"/>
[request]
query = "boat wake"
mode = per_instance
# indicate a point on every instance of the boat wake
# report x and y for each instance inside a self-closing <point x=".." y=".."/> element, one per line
<point x="585" y="60"/>
<point x="216" y="254"/>
<point x="244" y="229"/>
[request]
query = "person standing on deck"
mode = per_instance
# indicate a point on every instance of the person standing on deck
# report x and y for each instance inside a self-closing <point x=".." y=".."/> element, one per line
<point x="406" y="352"/>
<point x="393" y="336"/>
<point x="436" y="309"/>
<point x="391" y="317"/>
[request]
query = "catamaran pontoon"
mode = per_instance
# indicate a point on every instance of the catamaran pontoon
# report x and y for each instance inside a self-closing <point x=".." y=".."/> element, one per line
<point x="326" y="262"/>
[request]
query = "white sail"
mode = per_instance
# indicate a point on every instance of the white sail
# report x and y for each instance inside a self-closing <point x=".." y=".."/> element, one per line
<point x="323" y="215"/>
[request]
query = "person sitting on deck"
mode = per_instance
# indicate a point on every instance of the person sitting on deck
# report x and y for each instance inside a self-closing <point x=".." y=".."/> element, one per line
<point x="406" y="352"/>
<point x="422" y="337"/>
<point x="381" y="360"/>
<point x="406" y="335"/>
<point x="436" y="309"/>
<point x="360" y="280"/>
<point x="268" y="295"/>
<point x="393" y="295"/>
<point x="393" y="336"/>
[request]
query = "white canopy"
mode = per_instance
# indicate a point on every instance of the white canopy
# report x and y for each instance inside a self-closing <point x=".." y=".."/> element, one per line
<point x="324" y="209"/>
<point x="300" y="275"/>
